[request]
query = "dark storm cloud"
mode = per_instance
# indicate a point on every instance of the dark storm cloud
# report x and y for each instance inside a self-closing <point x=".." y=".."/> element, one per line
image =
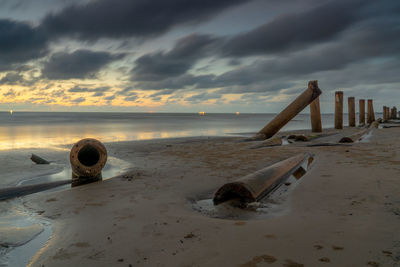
<point x="297" y="30"/>
<point x="20" y="42"/>
<point x="136" y="18"/>
<point x="177" y="61"/>
<point x="371" y="41"/>
<point x="80" y="64"/>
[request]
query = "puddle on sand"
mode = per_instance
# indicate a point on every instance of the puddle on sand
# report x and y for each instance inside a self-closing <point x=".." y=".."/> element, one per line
<point x="23" y="233"/>
<point x="272" y="205"/>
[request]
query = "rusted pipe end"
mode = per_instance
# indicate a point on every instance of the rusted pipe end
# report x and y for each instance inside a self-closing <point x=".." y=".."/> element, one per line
<point x="88" y="157"/>
<point x="235" y="190"/>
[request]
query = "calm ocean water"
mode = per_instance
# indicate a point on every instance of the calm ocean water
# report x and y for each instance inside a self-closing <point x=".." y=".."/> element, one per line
<point x="47" y="129"/>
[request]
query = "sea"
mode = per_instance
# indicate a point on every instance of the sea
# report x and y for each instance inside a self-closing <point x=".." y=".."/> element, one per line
<point x="49" y="129"/>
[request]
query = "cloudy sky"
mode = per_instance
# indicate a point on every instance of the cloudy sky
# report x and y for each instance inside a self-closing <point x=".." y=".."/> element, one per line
<point x="192" y="55"/>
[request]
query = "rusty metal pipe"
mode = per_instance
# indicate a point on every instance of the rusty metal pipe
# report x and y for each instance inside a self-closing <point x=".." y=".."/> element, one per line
<point x="255" y="186"/>
<point x="87" y="157"/>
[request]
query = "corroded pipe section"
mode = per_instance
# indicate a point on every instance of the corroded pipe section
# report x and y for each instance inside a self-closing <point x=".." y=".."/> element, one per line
<point x="87" y="157"/>
<point x="303" y="100"/>
<point x="255" y="186"/>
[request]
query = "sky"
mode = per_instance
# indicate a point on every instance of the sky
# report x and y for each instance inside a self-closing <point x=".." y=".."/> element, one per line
<point x="199" y="55"/>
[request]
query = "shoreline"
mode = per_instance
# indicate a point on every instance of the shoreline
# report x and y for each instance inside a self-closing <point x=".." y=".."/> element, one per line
<point x="151" y="204"/>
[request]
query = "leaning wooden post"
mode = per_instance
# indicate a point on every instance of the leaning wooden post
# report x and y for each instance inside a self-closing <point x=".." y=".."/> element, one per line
<point x="315" y="113"/>
<point x="362" y="111"/>
<point x="311" y="93"/>
<point x="370" y="112"/>
<point x="352" y="111"/>
<point x="338" y="110"/>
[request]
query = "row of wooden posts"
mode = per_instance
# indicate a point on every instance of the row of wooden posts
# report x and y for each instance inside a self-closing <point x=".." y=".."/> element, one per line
<point x="387" y="113"/>
<point x="311" y="97"/>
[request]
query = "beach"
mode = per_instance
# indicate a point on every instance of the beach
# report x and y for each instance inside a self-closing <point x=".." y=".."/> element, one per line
<point x="344" y="211"/>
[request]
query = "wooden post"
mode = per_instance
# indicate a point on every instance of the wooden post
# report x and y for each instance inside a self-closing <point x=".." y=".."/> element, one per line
<point x="315" y="113"/>
<point x="394" y="113"/>
<point x="370" y="111"/>
<point x="362" y="111"/>
<point x="303" y="100"/>
<point x="352" y="111"/>
<point x="338" y="110"/>
<point x="384" y="113"/>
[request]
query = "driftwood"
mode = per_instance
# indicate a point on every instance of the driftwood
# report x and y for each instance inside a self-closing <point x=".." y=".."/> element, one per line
<point x="303" y="100"/>
<point x="255" y="186"/>
<point x="39" y="160"/>
<point x="17" y="191"/>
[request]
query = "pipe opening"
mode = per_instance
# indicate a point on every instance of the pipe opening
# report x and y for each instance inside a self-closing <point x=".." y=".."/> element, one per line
<point x="88" y="155"/>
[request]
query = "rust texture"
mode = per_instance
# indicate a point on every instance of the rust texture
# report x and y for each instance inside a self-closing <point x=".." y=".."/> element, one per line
<point x="87" y="157"/>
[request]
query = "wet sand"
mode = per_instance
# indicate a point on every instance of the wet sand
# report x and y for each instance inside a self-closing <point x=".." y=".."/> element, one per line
<point x="344" y="212"/>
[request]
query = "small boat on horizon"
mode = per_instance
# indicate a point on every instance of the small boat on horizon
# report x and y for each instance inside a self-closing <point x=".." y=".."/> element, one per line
<point x="202" y="113"/>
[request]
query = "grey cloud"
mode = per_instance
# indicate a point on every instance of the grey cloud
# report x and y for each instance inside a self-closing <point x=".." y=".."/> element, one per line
<point x="78" y="100"/>
<point x="327" y="37"/>
<point x="109" y="98"/>
<point x="20" y="42"/>
<point x="131" y="98"/>
<point x="297" y="30"/>
<point x="79" y="64"/>
<point x="12" y="78"/>
<point x="10" y="93"/>
<point x="203" y="97"/>
<point x="128" y="91"/>
<point x="78" y="89"/>
<point x="123" y="18"/>
<point x="177" y="61"/>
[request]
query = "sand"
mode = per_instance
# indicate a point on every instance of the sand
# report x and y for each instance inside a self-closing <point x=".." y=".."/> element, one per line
<point x="344" y="212"/>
